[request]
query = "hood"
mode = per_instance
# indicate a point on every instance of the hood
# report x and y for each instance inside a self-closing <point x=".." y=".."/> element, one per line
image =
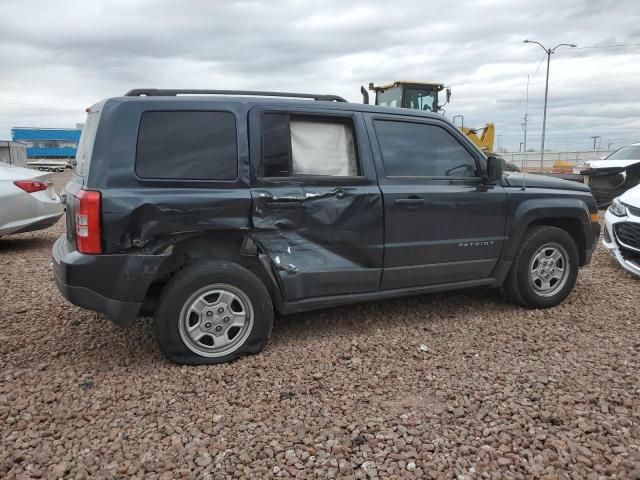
<point x="595" y="164"/>
<point x="542" y="181"/>
<point x="631" y="197"/>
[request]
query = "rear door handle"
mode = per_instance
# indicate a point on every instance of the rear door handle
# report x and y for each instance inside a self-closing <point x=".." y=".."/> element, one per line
<point x="283" y="204"/>
<point x="411" y="202"/>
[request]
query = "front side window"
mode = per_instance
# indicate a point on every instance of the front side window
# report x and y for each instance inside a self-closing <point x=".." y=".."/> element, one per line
<point x="422" y="150"/>
<point x="308" y="146"/>
<point x="187" y="146"/>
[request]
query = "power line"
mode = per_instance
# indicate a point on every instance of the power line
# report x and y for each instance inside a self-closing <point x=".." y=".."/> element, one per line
<point x="517" y="107"/>
<point x="534" y="73"/>
<point x="618" y="45"/>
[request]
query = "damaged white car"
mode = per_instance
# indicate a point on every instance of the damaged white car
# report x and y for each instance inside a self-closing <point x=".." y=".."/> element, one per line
<point x="613" y="175"/>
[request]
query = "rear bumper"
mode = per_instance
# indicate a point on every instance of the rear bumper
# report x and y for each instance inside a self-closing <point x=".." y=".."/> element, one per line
<point x="115" y="285"/>
<point x="37" y="222"/>
<point x="40" y="223"/>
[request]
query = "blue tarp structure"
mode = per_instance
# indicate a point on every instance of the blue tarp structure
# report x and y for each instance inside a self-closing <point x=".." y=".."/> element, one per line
<point x="67" y="135"/>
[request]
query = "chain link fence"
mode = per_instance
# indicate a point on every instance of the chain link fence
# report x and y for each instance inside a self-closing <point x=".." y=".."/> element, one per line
<point x="530" y="161"/>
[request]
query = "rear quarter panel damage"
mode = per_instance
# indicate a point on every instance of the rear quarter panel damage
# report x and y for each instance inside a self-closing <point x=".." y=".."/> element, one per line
<point x="137" y="217"/>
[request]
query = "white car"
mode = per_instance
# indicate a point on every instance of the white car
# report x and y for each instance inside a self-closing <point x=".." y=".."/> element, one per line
<point x="27" y="200"/>
<point x="622" y="229"/>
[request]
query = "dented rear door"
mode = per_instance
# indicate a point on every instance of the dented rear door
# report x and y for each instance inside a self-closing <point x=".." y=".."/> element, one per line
<point x="316" y="214"/>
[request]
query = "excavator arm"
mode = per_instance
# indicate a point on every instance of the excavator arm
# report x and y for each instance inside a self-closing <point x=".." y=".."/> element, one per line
<point x="482" y="137"/>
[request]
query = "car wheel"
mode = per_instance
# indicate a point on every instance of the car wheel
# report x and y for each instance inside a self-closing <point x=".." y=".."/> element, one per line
<point x="545" y="269"/>
<point x="213" y="312"/>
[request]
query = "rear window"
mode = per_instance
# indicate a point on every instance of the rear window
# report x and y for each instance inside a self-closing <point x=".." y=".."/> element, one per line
<point x="187" y="146"/>
<point x="85" y="146"/>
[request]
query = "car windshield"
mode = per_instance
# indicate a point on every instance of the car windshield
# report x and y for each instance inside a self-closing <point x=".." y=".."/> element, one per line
<point x="631" y="152"/>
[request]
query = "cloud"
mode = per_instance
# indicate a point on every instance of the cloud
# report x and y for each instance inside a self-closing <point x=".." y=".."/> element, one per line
<point x="61" y="56"/>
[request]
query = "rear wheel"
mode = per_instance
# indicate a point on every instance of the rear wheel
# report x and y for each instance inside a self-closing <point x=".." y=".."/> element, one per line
<point x="213" y="312"/>
<point x="545" y="269"/>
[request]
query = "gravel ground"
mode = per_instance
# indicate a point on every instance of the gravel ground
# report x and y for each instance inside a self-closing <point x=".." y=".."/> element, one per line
<point x="457" y="385"/>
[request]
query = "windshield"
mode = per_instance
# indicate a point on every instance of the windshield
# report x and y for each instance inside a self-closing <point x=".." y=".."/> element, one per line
<point x="420" y="99"/>
<point x="626" y="153"/>
<point x="391" y="97"/>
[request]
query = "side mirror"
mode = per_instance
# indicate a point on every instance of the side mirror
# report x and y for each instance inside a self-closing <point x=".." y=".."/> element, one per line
<point x="495" y="168"/>
<point x="448" y="94"/>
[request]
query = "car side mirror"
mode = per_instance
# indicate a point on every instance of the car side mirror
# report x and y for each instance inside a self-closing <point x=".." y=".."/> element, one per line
<point x="495" y="168"/>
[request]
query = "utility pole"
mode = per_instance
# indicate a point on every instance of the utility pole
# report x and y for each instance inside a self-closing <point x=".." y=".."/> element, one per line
<point x="595" y="137"/>
<point x="549" y="52"/>
<point x="498" y="149"/>
<point x="526" y="121"/>
<point x="520" y="149"/>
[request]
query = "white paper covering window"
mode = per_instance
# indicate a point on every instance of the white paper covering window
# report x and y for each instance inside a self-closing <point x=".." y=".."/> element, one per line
<point x="323" y="148"/>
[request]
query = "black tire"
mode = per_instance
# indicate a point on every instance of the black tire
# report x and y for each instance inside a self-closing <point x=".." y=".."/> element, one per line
<point x="178" y="291"/>
<point x="518" y="286"/>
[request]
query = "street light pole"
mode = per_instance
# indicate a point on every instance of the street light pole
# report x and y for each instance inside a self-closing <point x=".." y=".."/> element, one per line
<point x="549" y="52"/>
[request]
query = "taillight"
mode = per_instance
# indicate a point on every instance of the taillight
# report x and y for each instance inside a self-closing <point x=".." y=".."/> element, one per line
<point x="31" y="186"/>
<point x="88" y="221"/>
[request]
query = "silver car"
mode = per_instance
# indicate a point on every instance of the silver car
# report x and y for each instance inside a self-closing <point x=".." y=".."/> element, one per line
<point x="27" y="200"/>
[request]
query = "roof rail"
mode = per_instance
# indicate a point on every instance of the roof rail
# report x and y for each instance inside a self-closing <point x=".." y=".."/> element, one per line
<point x="160" y="92"/>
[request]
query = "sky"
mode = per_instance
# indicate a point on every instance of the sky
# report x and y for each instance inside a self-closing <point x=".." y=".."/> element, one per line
<point x="58" y="57"/>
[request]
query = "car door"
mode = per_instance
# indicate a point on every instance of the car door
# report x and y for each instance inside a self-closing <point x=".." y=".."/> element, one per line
<point x="317" y="209"/>
<point x="442" y="223"/>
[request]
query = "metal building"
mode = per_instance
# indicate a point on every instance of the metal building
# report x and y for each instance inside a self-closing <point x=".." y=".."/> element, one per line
<point x="48" y="143"/>
<point x="13" y="153"/>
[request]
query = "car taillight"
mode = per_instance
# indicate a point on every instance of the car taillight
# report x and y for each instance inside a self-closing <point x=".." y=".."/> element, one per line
<point x="31" y="186"/>
<point x="88" y="221"/>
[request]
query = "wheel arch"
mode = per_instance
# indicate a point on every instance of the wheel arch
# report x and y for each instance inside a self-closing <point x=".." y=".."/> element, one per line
<point x="236" y="247"/>
<point x="570" y="215"/>
<point x="572" y="226"/>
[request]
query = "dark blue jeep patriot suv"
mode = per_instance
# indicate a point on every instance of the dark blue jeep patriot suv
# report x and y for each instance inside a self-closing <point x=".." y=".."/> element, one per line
<point x="210" y="212"/>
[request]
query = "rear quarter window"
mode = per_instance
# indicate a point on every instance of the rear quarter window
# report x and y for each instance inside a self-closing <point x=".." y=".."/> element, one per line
<point x="187" y="146"/>
<point x="85" y="146"/>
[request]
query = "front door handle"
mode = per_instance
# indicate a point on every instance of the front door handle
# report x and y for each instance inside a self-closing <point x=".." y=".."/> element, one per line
<point x="410" y="202"/>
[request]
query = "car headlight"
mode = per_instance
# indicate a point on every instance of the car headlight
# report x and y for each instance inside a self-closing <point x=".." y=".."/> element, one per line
<point x="617" y="208"/>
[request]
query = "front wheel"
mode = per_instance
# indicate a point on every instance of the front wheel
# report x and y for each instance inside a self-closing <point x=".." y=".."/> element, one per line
<point x="213" y="312"/>
<point x="545" y="269"/>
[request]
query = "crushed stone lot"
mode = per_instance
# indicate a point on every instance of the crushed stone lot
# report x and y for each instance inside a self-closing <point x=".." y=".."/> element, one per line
<point x="454" y="385"/>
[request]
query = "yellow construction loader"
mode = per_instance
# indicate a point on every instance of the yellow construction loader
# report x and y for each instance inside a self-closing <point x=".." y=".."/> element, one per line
<point x="425" y="96"/>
